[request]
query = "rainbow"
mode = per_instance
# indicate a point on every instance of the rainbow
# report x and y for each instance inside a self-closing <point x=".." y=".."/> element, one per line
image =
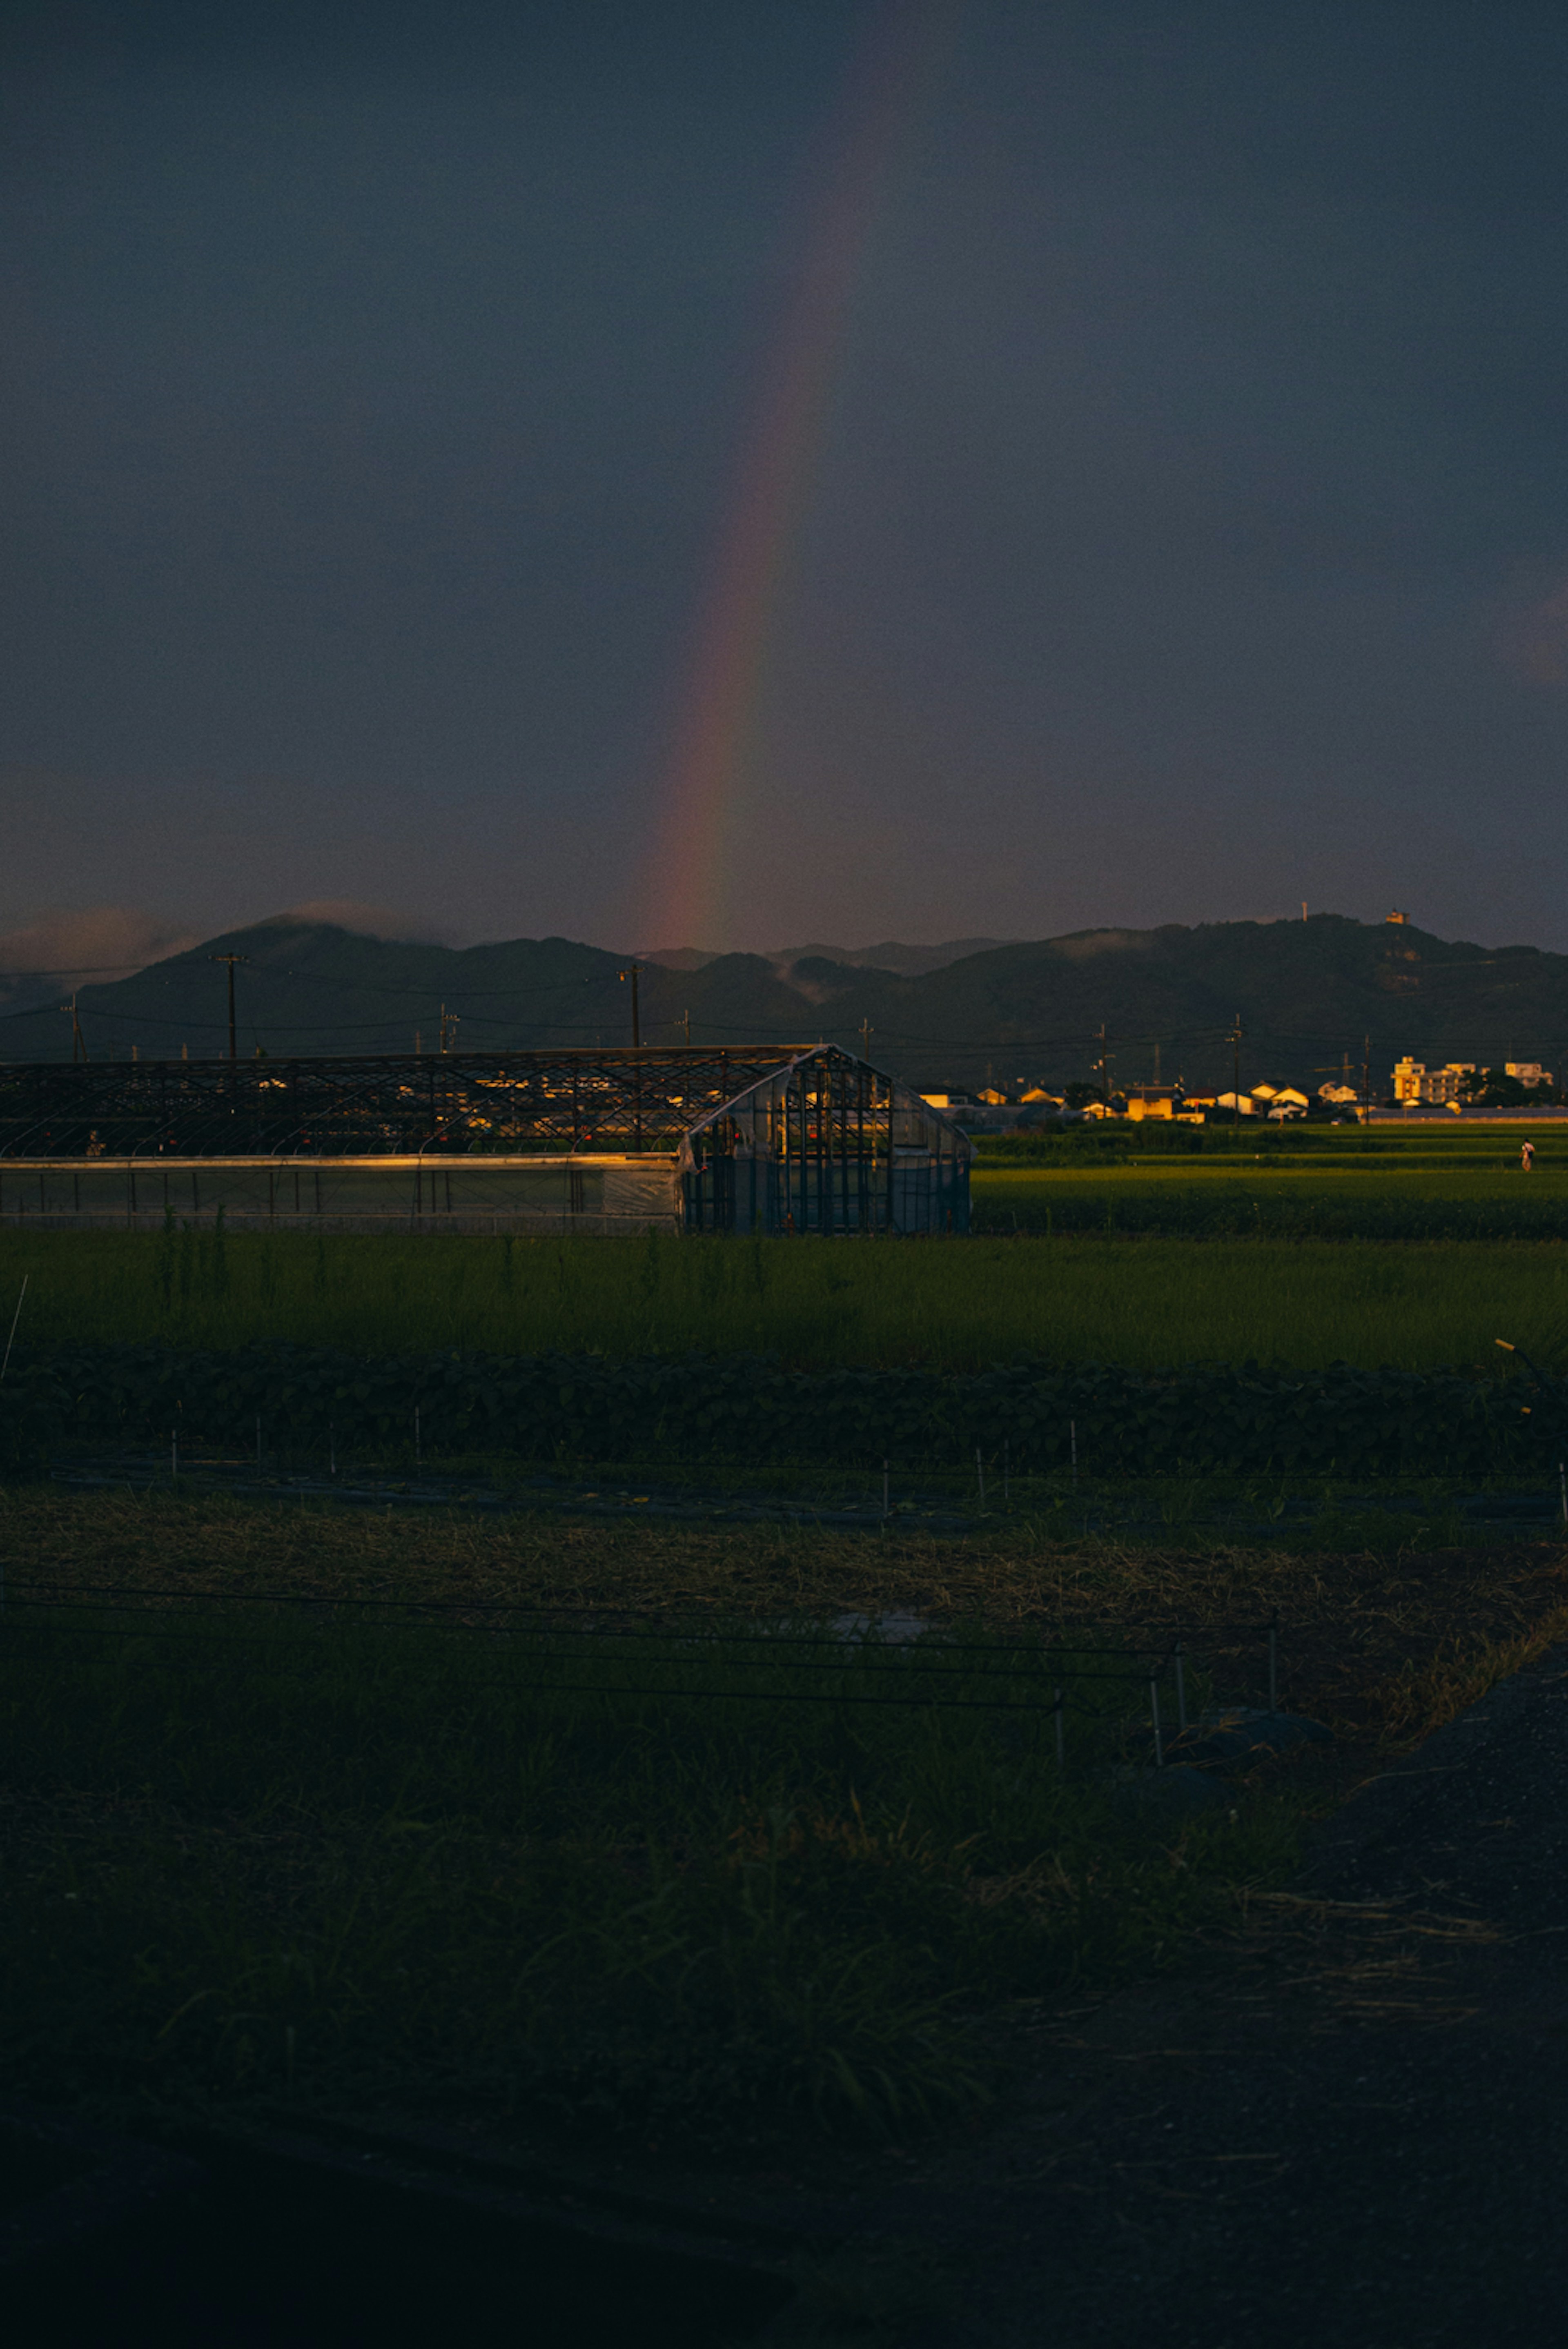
<point x="685" y="897"/>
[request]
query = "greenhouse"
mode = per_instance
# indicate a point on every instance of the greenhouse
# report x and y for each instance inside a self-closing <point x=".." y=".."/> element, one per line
<point x="796" y="1141"/>
<point x="826" y="1145"/>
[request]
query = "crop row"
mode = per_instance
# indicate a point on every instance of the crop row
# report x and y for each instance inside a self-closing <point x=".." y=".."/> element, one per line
<point x="1226" y="1211"/>
<point x="1207" y="1417"/>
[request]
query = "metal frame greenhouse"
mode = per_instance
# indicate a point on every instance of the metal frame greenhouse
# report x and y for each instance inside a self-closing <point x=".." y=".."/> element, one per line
<point x="827" y="1144"/>
<point x="807" y="1139"/>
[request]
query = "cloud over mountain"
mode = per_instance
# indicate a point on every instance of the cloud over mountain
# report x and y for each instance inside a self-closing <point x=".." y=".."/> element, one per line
<point x="102" y="942"/>
<point x="391" y="924"/>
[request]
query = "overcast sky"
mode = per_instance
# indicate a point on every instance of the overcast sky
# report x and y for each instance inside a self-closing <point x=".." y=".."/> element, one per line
<point x="1179" y="531"/>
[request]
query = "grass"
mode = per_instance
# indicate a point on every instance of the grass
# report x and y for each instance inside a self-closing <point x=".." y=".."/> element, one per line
<point x="349" y="1866"/>
<point x="1379" y="1186"/>
<point x="1146" y="1303"/>
<point x="307" y="1860"/>
<point x="294" y="1859"/>
<point x="1356" y="1617"/>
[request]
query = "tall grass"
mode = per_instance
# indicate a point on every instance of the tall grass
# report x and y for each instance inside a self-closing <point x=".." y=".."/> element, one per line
<point x="1146" y="1303"/>
<point x="319" y="1863"/>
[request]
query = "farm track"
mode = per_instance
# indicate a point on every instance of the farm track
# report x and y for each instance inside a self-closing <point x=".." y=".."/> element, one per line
<point x="578" y="1498"/>
<point x="1100" y="1515"/>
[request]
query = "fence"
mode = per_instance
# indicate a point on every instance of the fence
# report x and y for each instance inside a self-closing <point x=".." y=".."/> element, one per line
<point x="564" y="1653"/>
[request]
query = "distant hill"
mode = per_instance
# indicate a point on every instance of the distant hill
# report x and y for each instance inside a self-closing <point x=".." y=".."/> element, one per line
<point x="313" y="987"/>
<point x="1307" y="995"/>
<point x="908" y="962"/>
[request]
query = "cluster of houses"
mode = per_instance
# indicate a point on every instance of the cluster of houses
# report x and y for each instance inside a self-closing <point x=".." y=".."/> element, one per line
<point x="1454" y="1086"/>
<point x="999" y="1110"/>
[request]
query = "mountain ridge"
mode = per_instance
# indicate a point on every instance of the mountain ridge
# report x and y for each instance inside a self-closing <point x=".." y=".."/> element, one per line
<point x="1310" y="995"/>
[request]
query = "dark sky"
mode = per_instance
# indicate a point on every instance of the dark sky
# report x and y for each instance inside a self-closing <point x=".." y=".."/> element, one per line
<point x="1179" y="530"/>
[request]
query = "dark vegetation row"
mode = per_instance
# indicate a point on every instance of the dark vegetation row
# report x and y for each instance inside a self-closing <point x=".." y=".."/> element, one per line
<point x="1164" y="1211"/>
<point x="735" y="1407"/>
<point x="1251" y="1138"/>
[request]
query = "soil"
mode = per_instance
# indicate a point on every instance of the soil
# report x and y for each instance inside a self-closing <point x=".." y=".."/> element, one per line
<point x="1351" y="2127"/>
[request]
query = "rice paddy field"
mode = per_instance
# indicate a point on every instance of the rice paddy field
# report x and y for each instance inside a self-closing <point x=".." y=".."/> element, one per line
<point x="1380" y="1183"/>
<point x="1144" y="1301"/>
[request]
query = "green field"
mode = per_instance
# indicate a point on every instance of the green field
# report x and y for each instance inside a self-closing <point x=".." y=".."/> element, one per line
<point x="1388" y="1143"/>
<point x="1381" y="1184"/>
<point x="1145" y="1302"/>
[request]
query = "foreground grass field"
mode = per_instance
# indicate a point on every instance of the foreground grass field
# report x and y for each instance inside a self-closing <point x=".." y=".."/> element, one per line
<point x="1146" y="1302"/>
<point x="294" y="1858"/>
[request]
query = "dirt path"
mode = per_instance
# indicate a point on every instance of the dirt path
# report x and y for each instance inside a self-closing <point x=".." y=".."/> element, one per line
<point x="1354" y="2129"/>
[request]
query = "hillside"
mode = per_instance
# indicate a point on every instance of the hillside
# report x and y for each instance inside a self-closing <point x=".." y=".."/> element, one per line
<point x="1307" y="994"/>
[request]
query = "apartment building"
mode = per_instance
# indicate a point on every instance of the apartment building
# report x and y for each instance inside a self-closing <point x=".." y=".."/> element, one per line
<point x="1414" y="1082"/>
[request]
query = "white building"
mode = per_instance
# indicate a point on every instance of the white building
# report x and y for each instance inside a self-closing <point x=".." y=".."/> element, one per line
<point x="1415" y="1082"/>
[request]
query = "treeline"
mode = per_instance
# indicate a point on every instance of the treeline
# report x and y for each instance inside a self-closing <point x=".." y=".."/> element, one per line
<point x="1210" y="1418"/>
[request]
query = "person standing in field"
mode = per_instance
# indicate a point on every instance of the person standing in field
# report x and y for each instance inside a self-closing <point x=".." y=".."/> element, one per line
<point x="1527" y="1156"/>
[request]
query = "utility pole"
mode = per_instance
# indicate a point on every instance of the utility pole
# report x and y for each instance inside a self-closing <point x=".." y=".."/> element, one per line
<point x="866" y="1040"/>
<point x="231" y="960"/>
<point x="79" y="1042"/>
<point x="686" y="1023"/>
<point x="1235" y="1043"/>
<point x="631" y="972"/>
<point x="1104" y="1064"/>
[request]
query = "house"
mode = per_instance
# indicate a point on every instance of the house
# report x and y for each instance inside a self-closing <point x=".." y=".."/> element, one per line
<point x="1287" y="1103"/>
<point x="1529" y="1073"/>
<point x="1151" y="1100"/>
